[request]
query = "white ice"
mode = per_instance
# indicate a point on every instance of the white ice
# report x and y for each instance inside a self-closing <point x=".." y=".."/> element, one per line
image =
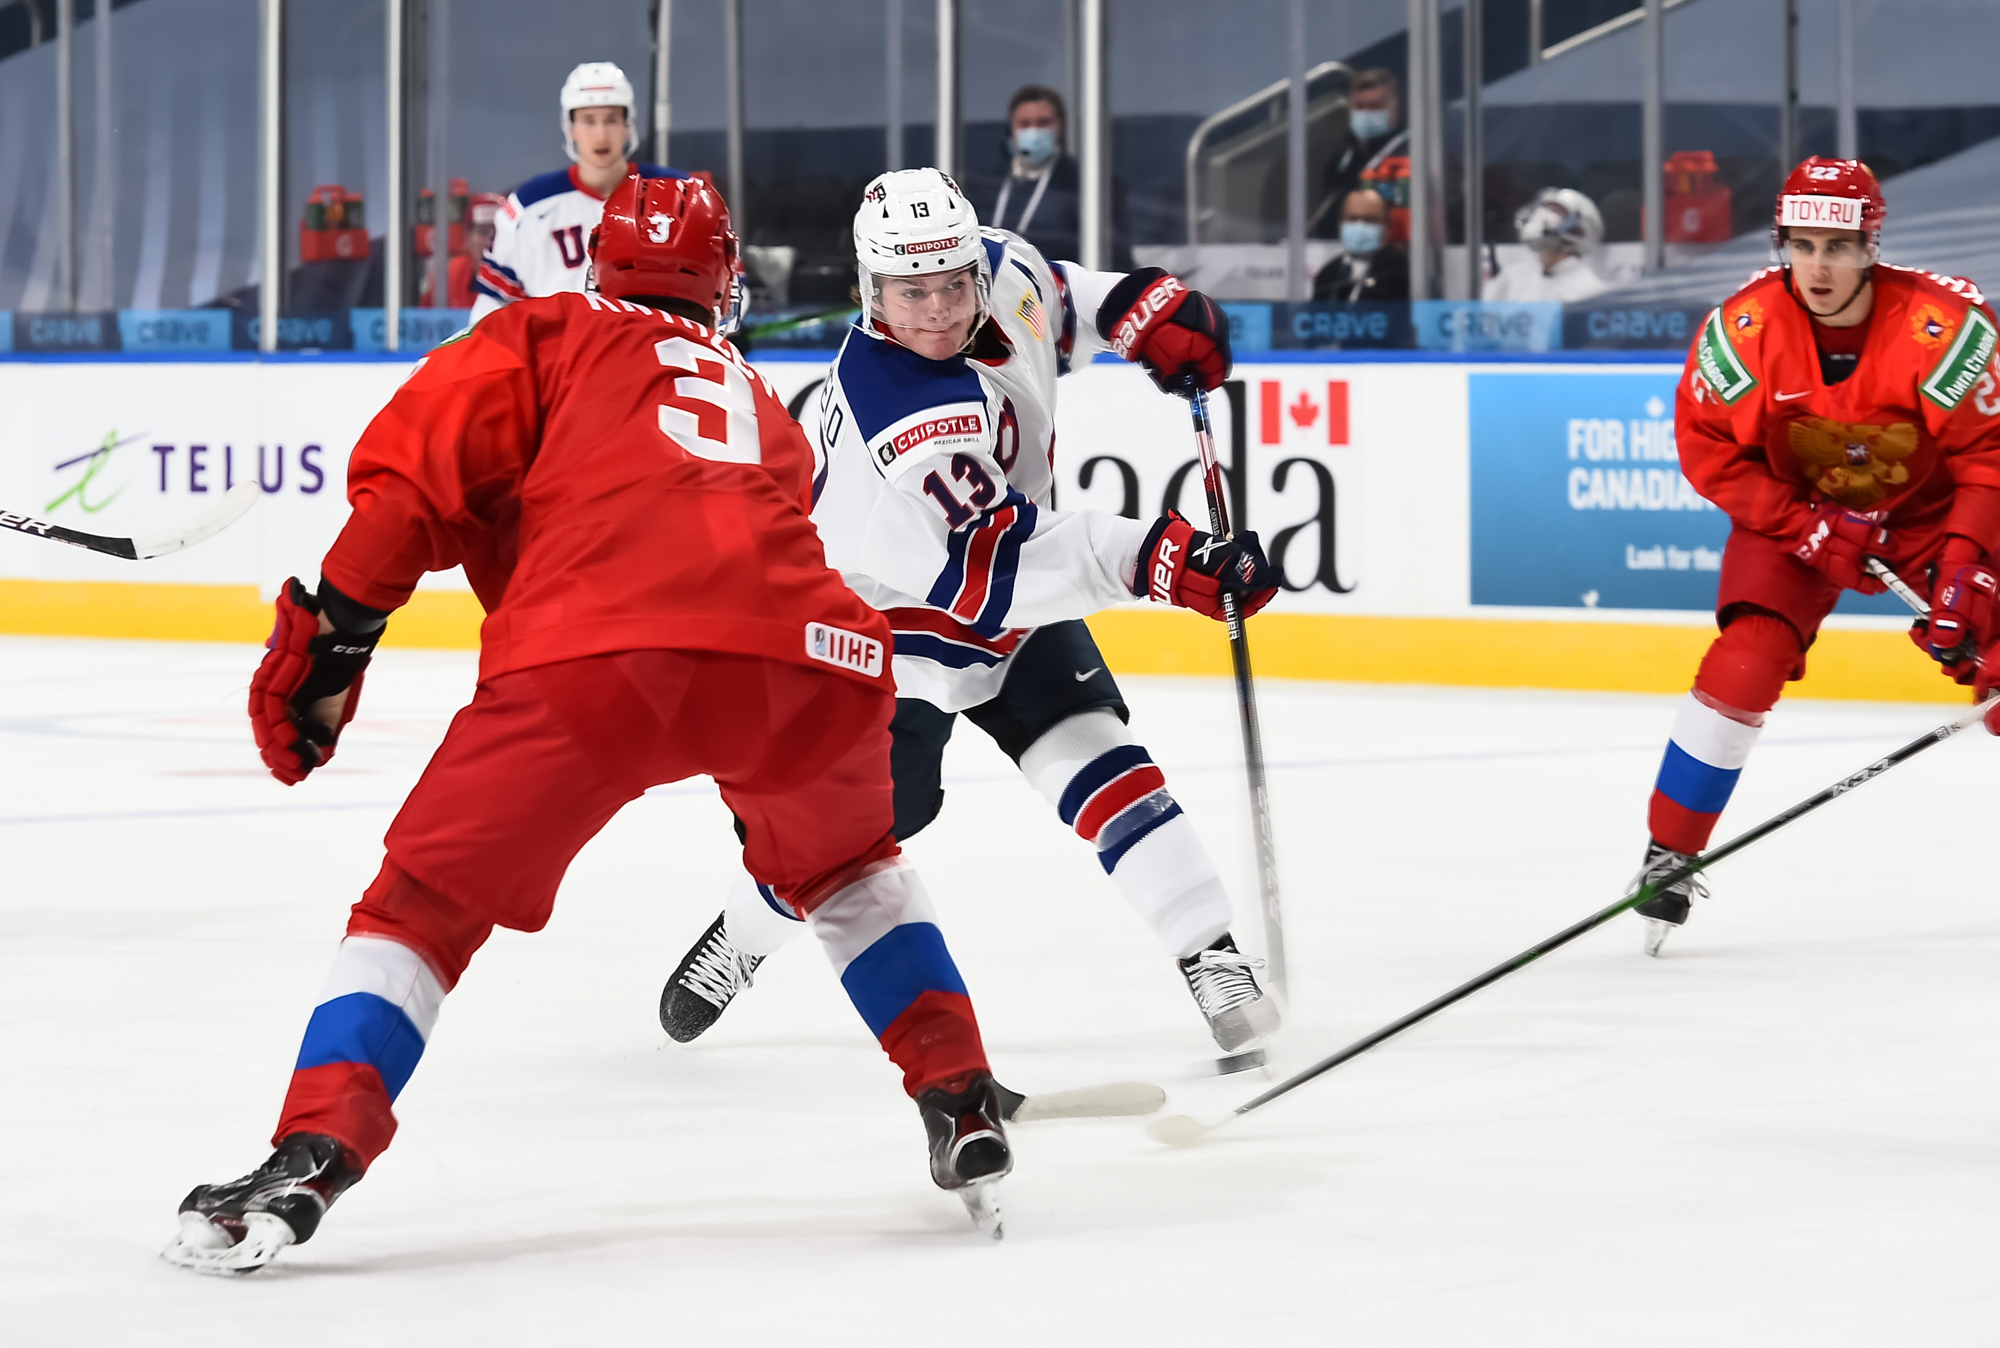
<point x="1787" y="1131"/>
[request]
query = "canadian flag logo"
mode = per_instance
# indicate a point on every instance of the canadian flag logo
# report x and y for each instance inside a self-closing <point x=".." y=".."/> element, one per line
<point x="1291" y="412"/>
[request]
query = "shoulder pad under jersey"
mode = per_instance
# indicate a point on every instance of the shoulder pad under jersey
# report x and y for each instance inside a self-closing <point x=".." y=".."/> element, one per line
<point x="543" y="186"/>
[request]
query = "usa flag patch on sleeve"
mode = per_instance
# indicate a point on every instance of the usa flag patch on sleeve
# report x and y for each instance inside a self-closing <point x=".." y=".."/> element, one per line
<point x="847" y="650"/>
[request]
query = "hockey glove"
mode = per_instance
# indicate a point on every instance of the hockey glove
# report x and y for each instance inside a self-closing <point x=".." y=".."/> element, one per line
<point x="295" y="724"/>
<point x="1178" y="334"/>
<point x="1178" y="564"/>
<point x="1837" y="543"/>
<point x="1961" y="623"/>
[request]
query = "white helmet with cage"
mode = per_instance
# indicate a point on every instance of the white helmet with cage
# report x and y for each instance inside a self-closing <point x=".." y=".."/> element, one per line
<point x="916" y="222"/>
<point x="599" y="84"/>
<point x="1559" y="217"/>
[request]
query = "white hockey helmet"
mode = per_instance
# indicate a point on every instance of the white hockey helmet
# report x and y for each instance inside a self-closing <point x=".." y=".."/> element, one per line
<point x="916" y="222"/>
<point x="599" y="84"/>
<point x="1560" y="216"/>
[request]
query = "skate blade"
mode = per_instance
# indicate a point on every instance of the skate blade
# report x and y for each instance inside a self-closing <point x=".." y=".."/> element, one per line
<point x="204" y="1247"/>
<point x="1657" y="933"/>
<point x="1249" y="1060"/>
<point x="983" y="1206"/>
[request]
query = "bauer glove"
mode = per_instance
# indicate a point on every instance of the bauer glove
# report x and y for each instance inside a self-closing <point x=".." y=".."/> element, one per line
<point x="1837" y="543"/>
<point x="1178" y="564"/>
<point x="303" y="668"/>
<point x="1153" y="318"/>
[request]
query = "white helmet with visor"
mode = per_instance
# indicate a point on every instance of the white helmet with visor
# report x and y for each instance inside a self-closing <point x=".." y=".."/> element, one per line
<point x="915" y="225"/>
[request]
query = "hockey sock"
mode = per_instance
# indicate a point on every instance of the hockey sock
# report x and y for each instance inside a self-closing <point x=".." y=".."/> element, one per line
<point x="753" y="919"/>
<point x="882" y="936"/>
<point x="1740" y="679"/>
<point x="1108" y="789"/>
<point x="361" y="1045"/>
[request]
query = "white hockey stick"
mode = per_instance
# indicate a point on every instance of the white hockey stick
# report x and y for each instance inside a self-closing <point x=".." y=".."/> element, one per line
<point x="210" y="522"/>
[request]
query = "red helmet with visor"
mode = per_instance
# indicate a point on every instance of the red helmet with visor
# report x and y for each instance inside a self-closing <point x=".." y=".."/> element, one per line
<point x="669" y="238"/>
<point x="1831" y="194"/>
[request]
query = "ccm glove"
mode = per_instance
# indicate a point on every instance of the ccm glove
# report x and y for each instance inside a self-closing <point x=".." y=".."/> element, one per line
<point x="1178" y="334"/>
<point x="1178" y="564"/>
<point x="1838" y="543"/>
<point x="1960" y="628"/>
<point x="304" y="667"/>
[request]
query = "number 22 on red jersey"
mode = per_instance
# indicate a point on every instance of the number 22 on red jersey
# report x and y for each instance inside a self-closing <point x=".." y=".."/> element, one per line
<point x="712" y="411"/>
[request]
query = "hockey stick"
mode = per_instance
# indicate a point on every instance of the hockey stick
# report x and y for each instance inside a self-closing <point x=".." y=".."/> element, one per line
<point x="1112" y="1100"/>
<point x="207" y="524"/>
<point x="1179" y="1130"/>
<point x="1898" y="587"/>
<point x="1246" y="705"/>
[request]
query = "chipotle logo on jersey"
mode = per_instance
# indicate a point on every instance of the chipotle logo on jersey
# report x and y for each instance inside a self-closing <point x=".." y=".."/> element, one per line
<point x="965" y="425"/>
<point x="845" y="649"/>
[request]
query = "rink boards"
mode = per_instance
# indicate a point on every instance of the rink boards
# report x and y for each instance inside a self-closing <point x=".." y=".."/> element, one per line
<point x="1438" y="521"/>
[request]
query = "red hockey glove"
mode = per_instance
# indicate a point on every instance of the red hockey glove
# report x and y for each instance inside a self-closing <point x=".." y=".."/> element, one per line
<point x="1176" y="333"/>
<point x="1178" y="564"/>
<point x="303" y="667"/>
<point x="1960" y="627"/>
<point x="1838" y="543"/>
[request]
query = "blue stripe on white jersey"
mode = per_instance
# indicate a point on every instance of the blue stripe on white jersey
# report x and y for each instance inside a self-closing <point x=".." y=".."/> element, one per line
<point x="545" y="185"/>
<point x="885" y="382"/>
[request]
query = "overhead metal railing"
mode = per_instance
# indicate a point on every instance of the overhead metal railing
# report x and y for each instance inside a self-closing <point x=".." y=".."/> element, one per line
<point x="1603" y="30"/>
<point x="1255" y="124"/>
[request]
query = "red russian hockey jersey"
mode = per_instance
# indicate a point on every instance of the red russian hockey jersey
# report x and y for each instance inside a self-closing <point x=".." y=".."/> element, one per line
<point x="612" y="478"/>
<point x="1914" y="432"/>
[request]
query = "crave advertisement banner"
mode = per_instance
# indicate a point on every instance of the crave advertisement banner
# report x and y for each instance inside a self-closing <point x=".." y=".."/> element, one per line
<point x="1578" y="499"/>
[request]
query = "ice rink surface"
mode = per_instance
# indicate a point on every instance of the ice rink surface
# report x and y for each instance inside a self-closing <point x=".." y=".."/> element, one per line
<point x="1788" y="1131"/>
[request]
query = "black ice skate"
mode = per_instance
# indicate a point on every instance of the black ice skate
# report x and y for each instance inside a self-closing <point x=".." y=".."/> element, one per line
<point x="710" y="976"/>
<point x="240" y="1226"/>
<point x="969" y="1150"/>
<point x="1668" y="908"/>
<point x="1224" y="983"/>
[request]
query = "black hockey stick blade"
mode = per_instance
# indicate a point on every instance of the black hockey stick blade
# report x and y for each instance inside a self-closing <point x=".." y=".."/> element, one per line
<point x="210" y="522"/>
<point x="1179" y="1130"/>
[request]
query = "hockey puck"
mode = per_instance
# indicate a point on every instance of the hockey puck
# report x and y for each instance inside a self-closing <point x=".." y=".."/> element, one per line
<point x="1248" y="1060"/>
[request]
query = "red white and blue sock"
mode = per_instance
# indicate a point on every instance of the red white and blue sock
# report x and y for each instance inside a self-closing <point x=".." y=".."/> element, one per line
<point x="882" y="935"/>
<point x="1705" y="755"/>
<point x="374" y="1017"/>
<point x="1107" y="788"/>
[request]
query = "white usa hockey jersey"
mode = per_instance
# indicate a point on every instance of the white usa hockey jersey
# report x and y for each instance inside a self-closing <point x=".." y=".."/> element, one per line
<point x="541" y="239"/>
<point x="938" y="477"/>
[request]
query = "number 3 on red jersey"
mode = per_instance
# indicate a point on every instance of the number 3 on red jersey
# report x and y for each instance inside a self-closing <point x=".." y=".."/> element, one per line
<point x="712" y="412"/>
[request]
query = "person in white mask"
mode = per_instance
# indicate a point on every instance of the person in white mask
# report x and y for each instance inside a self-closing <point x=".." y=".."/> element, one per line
<point x="1374" y="133"/>
<point x="1039" y="197"/>
<point x="1562" y="230"/>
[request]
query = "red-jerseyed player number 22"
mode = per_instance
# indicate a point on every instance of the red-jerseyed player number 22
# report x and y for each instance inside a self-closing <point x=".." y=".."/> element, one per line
<point x="712" y="412"/>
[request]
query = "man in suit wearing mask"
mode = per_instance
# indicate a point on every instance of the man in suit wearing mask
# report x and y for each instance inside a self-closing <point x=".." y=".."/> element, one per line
<point x="1039" y="197"/>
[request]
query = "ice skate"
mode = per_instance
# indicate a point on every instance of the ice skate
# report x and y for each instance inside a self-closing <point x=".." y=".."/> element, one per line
<point x="969" y="1151"/>
<point x="240" y="1226"/>
<point x="1223" y="981"/>
<point x="710" y="976"/>
<point x="1669" y="908"/>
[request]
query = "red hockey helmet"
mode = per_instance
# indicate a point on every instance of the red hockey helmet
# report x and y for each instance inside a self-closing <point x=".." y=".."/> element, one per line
<point x="667" y="237"/>
<point x="1831" y="194"/>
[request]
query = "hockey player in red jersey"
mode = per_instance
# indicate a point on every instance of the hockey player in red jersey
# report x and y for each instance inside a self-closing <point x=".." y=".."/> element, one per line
<point x="630" y="502"/>
<point x="1839" y="409"/>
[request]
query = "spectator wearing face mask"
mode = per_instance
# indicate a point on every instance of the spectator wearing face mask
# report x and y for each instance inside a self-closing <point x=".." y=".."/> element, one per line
<point x="1040" y="196"/>
<point x="1369" y="266"/>
<point x="1374" y="122"/>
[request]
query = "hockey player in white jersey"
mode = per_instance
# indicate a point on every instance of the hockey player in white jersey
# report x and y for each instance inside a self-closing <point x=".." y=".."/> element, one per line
<point x="541" y="235"/>
<point x="936" y="425"/>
